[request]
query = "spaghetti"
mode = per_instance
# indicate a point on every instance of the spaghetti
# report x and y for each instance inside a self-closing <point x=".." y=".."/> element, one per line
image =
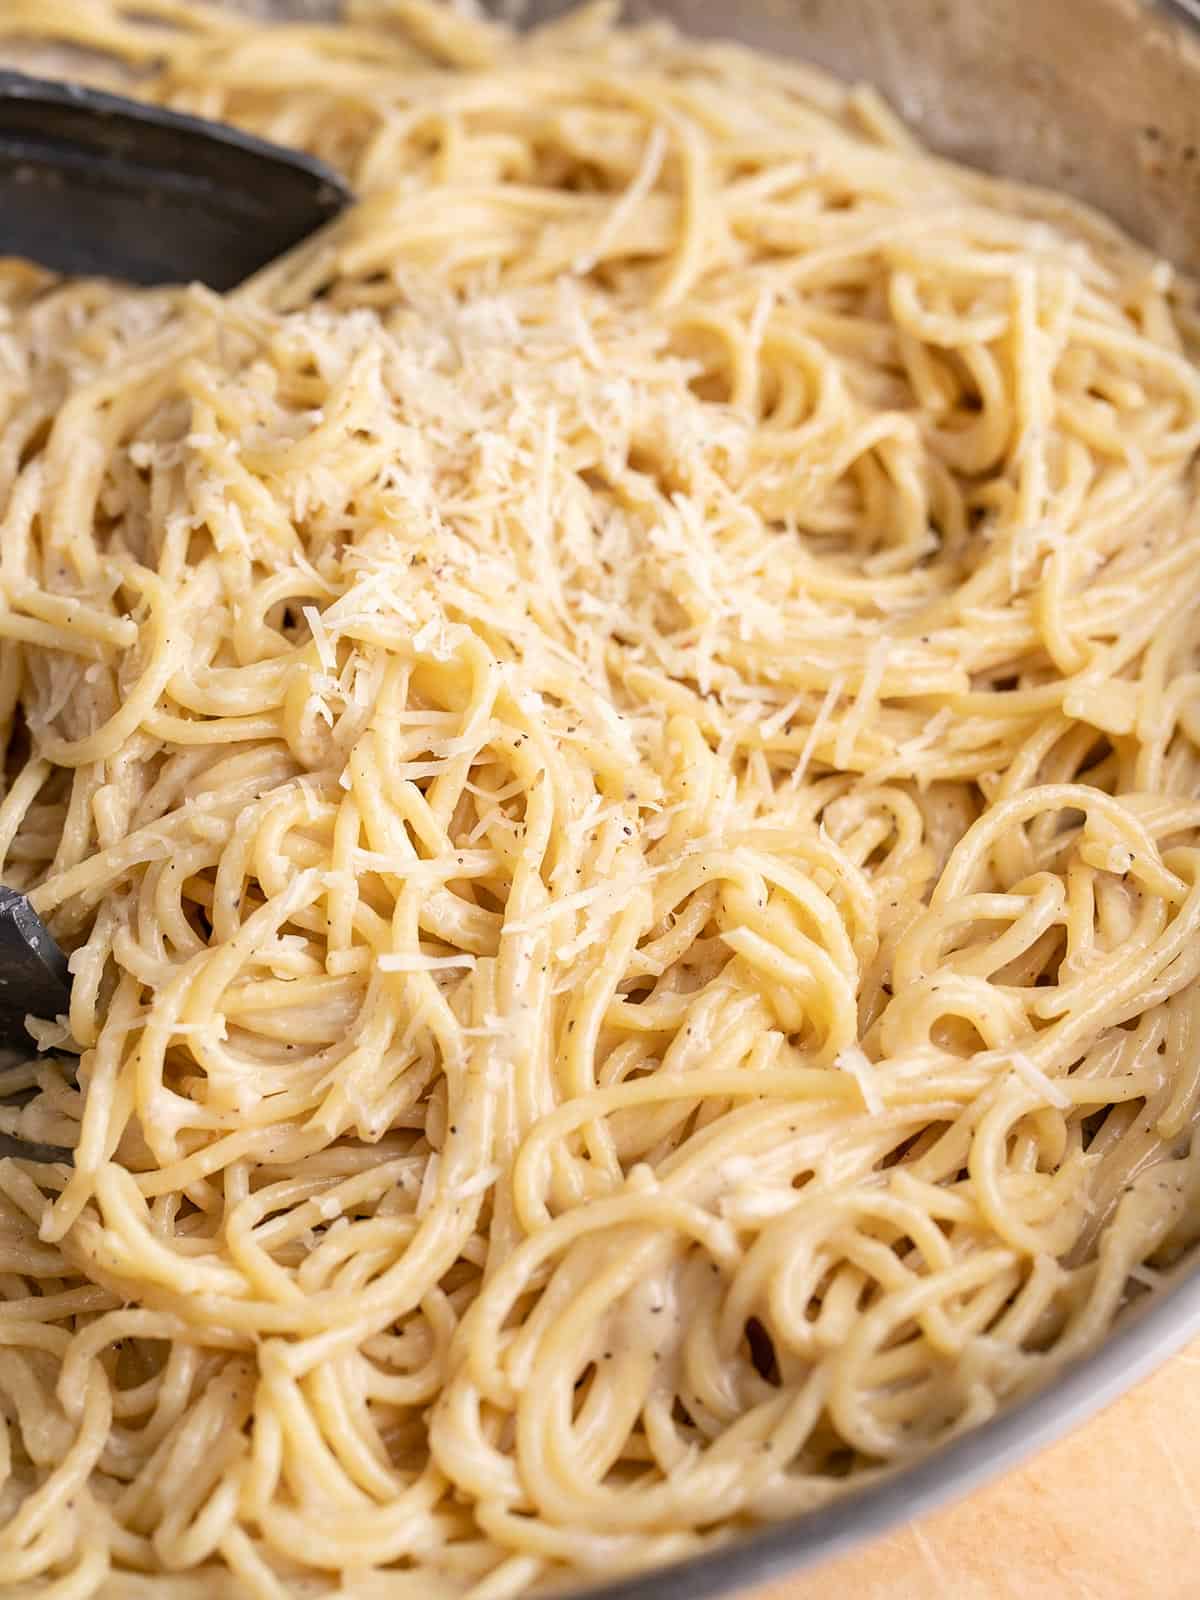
<point x="616" y="742"/>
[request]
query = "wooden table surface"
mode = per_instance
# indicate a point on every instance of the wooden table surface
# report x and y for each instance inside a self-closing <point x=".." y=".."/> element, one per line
<point x="1110" y="1513"/>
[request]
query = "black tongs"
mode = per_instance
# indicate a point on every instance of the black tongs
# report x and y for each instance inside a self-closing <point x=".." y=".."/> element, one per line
<point x="34" y="978"/>
<point x="95" y="184"/>
<point x="34" y="981"/>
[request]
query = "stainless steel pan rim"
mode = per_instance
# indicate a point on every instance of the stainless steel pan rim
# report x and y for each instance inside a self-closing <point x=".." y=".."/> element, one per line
<point x="1144" y="1340"/>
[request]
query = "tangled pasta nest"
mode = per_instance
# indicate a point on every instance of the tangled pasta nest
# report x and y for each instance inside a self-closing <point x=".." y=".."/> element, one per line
<point x="616" y="742"/>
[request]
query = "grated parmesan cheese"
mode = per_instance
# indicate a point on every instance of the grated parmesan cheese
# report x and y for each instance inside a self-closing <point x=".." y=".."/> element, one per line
<point x="820" y="723"/>
<point x="861" y="1068"/>
<point x="478" y="1184"/>
<point x="326" y="654"/>
<point x="405" y="962"/>
<point x="856" y="718"/>
<point x="1030" y="1074"/>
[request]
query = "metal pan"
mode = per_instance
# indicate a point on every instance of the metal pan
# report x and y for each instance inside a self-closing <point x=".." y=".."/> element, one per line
<point x="1142" y="1340"/>
<point x="1100" y="99"/>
